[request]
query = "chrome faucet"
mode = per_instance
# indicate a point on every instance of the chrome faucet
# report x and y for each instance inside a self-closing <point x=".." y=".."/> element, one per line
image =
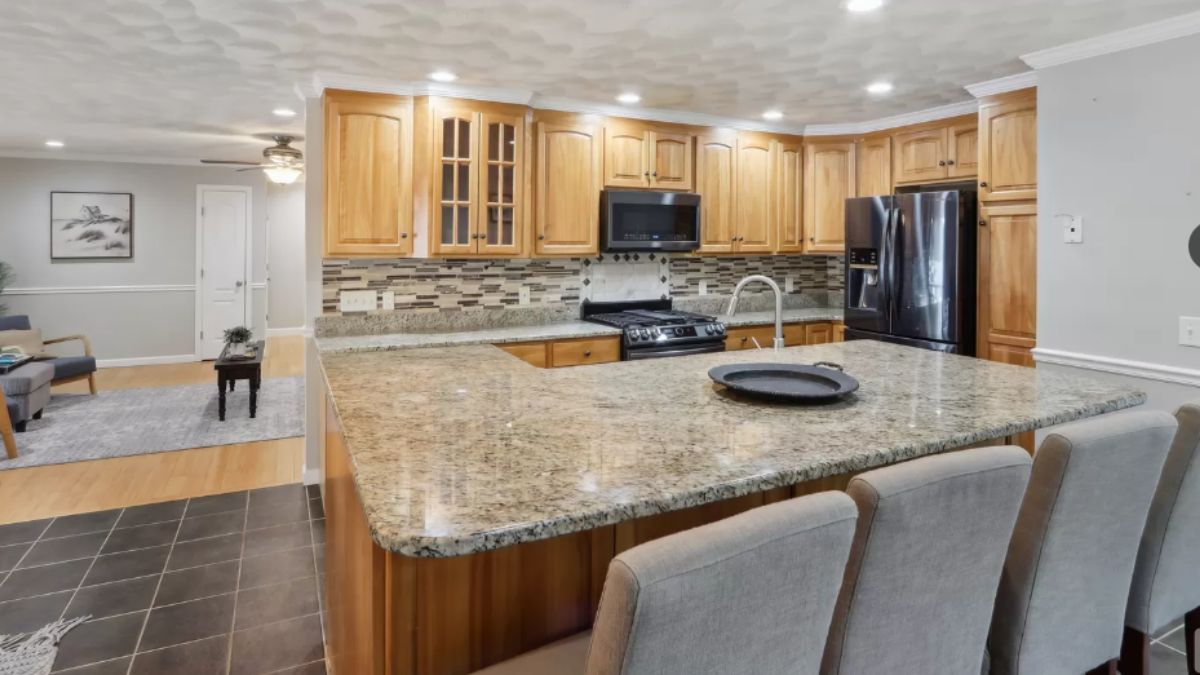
<point x="737" y="291"/>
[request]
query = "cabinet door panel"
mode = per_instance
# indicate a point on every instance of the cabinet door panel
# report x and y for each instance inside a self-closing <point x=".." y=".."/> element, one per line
<point x="625" y="156"/>
<point x="501" y="184"/>
<point x="964" y="150"/>
<point x="1008" y="150"/>
<point x="671" y="168"/>
<point x="818" y="333"/>
<point x="874" y="166"/>
<point x="829" y="178"/>
<point x="568" y="188"/>
<point x="746" y="338"/>
<point x="1007" y="302"/>
<point x="791" y="212"/>
<point x="455" y="178"/>
<point x="920" y="155"/>
<point x="755" y="199"/>
<point x="715" y="174"/>
<point x="368" y="175"/>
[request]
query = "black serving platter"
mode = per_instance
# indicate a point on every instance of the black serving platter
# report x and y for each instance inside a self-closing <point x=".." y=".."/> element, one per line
<point x="819" y="383"/>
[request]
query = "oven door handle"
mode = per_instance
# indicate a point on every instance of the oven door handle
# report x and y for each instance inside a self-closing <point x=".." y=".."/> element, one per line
<point x="637" y="355"/>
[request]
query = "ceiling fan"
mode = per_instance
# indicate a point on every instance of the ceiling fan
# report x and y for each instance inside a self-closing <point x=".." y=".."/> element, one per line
<point x="282" y="163"/>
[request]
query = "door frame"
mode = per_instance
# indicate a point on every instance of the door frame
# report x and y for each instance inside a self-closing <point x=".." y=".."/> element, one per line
<point x="198" y="293"/>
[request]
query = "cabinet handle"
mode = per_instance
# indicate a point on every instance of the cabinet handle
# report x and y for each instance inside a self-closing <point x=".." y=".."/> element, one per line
<point x="812" y="240"/>
<point x="744" y="340"/>
<point x="646" y="174"/>
<point x="587" y="353"/>
<point x="942" y="163"/>
<point x="983" y="183"/>
<point x="982" y="222"/>
<point x="949" y="162"/>
<point x="404" y="235"/>
<point x="654" y="174"/>
<point x="541" y="236"/>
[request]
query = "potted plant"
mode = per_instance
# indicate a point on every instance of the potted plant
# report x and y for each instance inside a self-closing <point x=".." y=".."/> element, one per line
<point x="236" y="341"/>
<point x="6" y="277"/>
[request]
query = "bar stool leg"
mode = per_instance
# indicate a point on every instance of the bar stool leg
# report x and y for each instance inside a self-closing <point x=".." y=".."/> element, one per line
<point x="1109" y="668"/>
<point x="1135" y="653"/>
<point x="1191" y="624"/>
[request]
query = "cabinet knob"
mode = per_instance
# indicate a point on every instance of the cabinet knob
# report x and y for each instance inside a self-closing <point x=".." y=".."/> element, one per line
<point x="942" y="163"/>
<point x="654" y="174"/>
<point x="982" y="222"/>
<point x="541" y="236"/>
<point x="949" y="162"/>
<point x="404" y="235"/>
<point x="733" y="239"/>
<point x="744" y="339"/>
<point x="646" y="174"/>
<point x="983" y="183"/>
<point x="587" y="352"/>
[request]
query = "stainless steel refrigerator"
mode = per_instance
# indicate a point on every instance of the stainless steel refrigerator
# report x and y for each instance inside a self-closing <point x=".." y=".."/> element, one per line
<point x="910" y="269"/>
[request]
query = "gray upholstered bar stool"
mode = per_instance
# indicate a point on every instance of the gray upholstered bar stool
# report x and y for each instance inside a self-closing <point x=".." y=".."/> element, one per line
<point x="749" y="594"/>
<point x="919" y="587"/>
<point x="1061" y="603"/>
<point x="1166" y="578"/>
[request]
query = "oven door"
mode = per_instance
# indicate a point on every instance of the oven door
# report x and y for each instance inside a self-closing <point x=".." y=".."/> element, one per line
<point x="649" y="221"/>
<point x="671" y="350"/>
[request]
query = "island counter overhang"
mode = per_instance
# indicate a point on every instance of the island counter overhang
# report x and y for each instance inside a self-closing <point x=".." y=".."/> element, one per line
<point x="474" y="501"/>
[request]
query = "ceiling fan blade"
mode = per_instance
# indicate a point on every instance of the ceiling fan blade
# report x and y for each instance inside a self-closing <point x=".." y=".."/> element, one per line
<point x="256" y="167"/>
<point x="230" y="161"/>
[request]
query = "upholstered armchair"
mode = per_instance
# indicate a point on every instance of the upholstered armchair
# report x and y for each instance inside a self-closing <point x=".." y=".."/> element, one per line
<point x="66" y="368"/>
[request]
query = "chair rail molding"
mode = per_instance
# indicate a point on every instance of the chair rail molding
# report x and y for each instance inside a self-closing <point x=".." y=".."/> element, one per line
<point x="1140" y="369"/>
<point x="83" y="290"/>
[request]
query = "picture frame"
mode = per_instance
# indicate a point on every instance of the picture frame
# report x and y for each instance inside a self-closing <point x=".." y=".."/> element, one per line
<point x="91" y="225"/>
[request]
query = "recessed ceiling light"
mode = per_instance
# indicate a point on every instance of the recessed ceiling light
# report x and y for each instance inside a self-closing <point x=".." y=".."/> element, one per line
<point x="54" y="144"/>
<point x="863" y="5"/>
<point x="629" y="98"/>
<point x="442" y="76"/>
<point x="284" y="112"/>
<point x="773" y="115"/>
<point x="879" y="87"/>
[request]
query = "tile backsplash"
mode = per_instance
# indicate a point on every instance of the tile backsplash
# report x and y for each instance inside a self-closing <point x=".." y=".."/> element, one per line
<point x="433" y="285"/>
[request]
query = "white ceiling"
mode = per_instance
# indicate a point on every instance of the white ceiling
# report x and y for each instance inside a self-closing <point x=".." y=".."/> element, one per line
<point x="186" y="79"/>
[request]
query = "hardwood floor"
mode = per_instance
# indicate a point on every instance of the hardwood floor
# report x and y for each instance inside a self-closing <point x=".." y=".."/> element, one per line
<point x="64" y="489"/>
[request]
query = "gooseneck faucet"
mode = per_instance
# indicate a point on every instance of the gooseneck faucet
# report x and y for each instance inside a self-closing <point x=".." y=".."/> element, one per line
<point x="777" y="343"/>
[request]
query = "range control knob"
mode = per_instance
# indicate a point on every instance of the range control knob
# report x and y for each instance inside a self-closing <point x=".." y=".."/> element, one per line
<point x="720" y="329"/>
<point x="680" y="331"/>
<point x="645" y="334"/>
<point x="633" y="336"/>
<point x="654" y="332"/>
<point x="709" y="330"/>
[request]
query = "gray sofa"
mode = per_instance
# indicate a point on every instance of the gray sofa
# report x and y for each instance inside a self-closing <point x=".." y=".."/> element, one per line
<point x="27" y="391"/>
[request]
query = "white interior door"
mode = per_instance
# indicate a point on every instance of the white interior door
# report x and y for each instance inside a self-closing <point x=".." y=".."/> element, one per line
<point x="224" y="287"/>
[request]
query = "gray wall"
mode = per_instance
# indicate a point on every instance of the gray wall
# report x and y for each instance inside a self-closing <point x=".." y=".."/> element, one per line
<point x="285" y="256"/>
<point x="121" y="325"/>
<point x="1119" y="145"/>
<point x="314" y="206"/>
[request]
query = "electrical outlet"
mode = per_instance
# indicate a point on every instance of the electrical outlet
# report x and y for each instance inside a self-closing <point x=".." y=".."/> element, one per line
<point x="387" y="301"/>
<point x="357" y="301"/>
<point x="789" y="284"/>
<point x="1072" y="228"/>
<point x="523" y="296"/>
<point x="703" y="288"/>
<point x="1189" y="331"/>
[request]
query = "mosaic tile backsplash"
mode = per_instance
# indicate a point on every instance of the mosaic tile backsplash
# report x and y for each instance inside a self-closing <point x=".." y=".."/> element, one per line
<point x="433" y="285"/>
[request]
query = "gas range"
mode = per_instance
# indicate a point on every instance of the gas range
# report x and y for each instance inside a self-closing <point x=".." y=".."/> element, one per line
<point x="652" y="329"/>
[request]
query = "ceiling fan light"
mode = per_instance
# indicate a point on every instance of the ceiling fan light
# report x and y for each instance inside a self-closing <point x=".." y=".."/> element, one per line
<point x="282" y="175"/>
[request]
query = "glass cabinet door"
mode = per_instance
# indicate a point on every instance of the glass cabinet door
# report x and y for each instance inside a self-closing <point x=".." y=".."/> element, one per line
<point x="501" y="183"/>
<point x="454" y="182"/>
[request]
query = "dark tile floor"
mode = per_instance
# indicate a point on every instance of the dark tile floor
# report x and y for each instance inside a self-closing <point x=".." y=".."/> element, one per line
<point x="227" y="584"/>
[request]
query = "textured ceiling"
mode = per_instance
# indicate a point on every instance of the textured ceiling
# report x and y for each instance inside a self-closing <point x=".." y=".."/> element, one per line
<point x="193" y="78"/>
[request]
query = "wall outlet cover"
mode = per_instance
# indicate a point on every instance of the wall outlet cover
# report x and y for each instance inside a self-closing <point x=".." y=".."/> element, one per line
<point x="523" y="296"/>
<point x="387" y="301"/>
<point x="789" y="284"/>
<point x="1189" y="331"/>
<point x="356" y="301"/>
<point x="1072" y="228"/>
<point x="703" y="287"/>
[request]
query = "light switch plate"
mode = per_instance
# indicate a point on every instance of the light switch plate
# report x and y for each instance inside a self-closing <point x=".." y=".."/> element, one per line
<point x="1072" y="228"/>
<point x="789" y="284"/>
<point x="1189" y="331"/>
<point x="387" y="301"/>
<point x="703" y="287"/>
<point x="523" y="296"/>
<point x="356" y="301"/>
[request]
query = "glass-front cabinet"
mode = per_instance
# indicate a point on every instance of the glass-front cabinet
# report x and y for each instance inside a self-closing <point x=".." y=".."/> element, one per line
<point x="478" y="176"/>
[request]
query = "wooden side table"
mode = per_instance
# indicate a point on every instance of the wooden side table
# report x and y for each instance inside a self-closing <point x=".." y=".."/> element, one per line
<point x="230" y="370"/>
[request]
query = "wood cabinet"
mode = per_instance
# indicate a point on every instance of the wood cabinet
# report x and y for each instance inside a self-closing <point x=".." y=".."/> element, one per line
<point x="567" y="190"/>
<point x="564" y="353"/>
<point x="1007" y="292"/>
<point x="818" y="333"/>
<point x="839" y="331"/>
<point x="478" y="177"/>
<point x="794" y="334"/>
<point x="368" y="175"/>
<point x="1008" y="147"/>
<point x="637" y="155"/>
<point x="829" y="179"/>
<point x="935" y="152"/>
<point x="755" y="199"/>
<point x="790" y="189"/>
<point x="874" y="166"/>
<point x="716" y="173"/>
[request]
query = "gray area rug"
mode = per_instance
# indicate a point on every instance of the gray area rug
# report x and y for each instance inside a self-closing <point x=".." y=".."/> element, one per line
<point x="78" y="427"/>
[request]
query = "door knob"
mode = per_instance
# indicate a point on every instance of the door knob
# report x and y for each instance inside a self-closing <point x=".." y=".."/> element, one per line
<point x="239" y="284"/>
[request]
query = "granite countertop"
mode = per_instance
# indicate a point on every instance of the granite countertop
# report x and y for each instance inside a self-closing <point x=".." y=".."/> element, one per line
<point x="789" y="316"/>
<point x="457" y="450"/>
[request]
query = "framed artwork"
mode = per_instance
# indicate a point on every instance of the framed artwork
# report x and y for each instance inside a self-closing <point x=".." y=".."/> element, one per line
<point x="91" y="225"/>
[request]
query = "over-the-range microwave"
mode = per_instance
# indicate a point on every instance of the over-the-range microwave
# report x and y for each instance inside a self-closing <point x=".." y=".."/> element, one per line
<point x="639" y="220"/>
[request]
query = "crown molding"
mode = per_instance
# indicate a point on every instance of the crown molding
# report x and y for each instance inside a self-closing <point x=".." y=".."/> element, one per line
<point x="1002" y="85"/>
<point x="660" y="115"/>
<point x="1138" y="36"/>
<point x="86" y="157"/>
<point x="928" y="115"/>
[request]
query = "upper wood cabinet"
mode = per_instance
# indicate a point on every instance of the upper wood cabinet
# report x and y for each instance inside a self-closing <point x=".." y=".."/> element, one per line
<point x="1007" y="290"/>
<point x="790" y="191"/>
<point x="368" y="174"/>
<point x="874" y="164"/>
<point x="1008" y="147"/>
<point x="637" y="155"/>
<point x="755" y="198"/>
<point x="829" y="179"/>
<point x="716" y="173"/>
<point x="934" y="152"/>
<point x="569" y="170"/>
<point x="478" y="177"/>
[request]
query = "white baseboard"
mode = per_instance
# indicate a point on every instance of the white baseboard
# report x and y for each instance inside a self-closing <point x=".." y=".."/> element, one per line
<point x="311" y="476"/>
<point x="285" y="332"/>
<point x="1104" y="364"/>
<point x="146" y="361"/>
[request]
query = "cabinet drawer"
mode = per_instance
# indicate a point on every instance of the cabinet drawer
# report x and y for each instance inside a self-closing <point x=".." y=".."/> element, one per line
<point x="586" y="351"/>
<point x="743" y="338"/>
<point x="533" y="353"/>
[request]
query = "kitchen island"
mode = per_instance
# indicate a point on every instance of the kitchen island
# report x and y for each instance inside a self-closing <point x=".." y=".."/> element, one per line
<point x="474" y="501"/>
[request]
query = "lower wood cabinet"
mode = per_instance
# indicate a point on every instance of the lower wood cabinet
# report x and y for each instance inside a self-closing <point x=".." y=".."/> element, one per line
<point x="563" y="353"/>
<point x="794" y="334"/>
<point x="1007" y="291"/>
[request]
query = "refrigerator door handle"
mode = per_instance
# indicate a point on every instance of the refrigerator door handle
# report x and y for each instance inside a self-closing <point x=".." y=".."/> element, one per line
<point x="893" y="226"/>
